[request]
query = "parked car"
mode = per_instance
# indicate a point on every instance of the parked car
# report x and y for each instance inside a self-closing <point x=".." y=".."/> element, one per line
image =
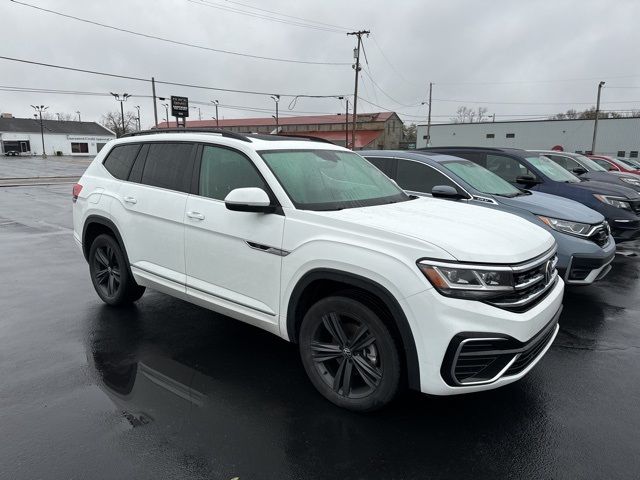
<point x="616" y="164"/>
<point x="311" y="242"/>
<point x="585" y="245"/>
<point x="12" y="153"/>
<point x="619" y="205"/>
<point x="587" y="169"/>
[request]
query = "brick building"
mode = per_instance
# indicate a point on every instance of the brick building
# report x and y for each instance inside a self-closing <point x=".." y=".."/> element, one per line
<point x="382" y="130"/>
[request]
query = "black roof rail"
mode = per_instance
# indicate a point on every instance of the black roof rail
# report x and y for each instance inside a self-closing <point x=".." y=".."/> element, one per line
<point x="491" y="149"/>
<point x="284" y="136"/>
<point x="219" y="131"/>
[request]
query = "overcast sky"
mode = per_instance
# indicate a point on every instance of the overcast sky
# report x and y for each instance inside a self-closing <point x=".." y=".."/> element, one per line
<point x="522" y="58"/>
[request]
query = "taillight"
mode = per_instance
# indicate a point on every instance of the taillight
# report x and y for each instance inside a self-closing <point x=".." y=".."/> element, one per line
<point x="77" y="188"/>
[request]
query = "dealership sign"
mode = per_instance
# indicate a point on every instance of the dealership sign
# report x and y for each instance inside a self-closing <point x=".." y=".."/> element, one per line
<point x="179" y="106"/>
<point x="74" y="138"/>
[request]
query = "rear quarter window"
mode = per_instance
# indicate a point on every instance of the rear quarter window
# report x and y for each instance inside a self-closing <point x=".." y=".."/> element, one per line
<point x="120" y="160"/>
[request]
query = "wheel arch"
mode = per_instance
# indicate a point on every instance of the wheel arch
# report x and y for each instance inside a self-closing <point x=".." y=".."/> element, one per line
<point x="305" y="293"/>
<point x="95" y="225"/>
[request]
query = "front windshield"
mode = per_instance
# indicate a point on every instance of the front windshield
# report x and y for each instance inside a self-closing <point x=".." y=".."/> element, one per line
<point x="552" y="170"/>
<point x="628" y="163"/>
<point x="590" y="164"/>
<point x="480" y="178"/>
<point x="331" y="179"/>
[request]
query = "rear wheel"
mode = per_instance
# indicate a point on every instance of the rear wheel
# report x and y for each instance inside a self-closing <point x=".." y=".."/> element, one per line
<point x="110" y="273"/>
<point x="349" y="354"/>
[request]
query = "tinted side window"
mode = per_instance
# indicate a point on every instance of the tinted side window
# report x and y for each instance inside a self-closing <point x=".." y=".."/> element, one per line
<point x="385" y="165"/>
<point x="604" y="164"/>
<point x="169" y="165"/>
<point x="565" y="162"/>
<point x="419" y="177"/>
<point x="120" y="160"/>
<point x="223" y="170"/>
<point x="506" y="167"/>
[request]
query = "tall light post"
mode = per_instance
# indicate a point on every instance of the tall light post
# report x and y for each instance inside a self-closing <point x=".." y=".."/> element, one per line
<point x="429" y="115"/>
<point x="58" y="115"/>
<point x="216" y="103"/>
<point x="199" y="112"/>
<point x="166" y="113"/>
<point x="78" y="112"/>
<point x="121" y="99"/>
<point x="595" y="123"/>
<point x="276" y="98"/>
<point x="137" y="107"/>
<point x="39" y="109"/>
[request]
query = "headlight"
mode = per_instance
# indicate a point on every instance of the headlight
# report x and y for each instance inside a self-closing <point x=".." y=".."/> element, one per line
<point x="474" y="283"/>
<point x="565" y="226"/>
<point x="632" y="181"/>
<point x="614" y="201"/>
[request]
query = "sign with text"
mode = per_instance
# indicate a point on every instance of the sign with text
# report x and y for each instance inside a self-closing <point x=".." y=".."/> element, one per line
<point x="179" y="106"/>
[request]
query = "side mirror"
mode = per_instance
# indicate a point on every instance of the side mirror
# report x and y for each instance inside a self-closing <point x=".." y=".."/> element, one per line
<point x="249" y="199"/>
<point x="579" y="170"/>
<point x="445" y="191"/>
<point x="527" y="180"/>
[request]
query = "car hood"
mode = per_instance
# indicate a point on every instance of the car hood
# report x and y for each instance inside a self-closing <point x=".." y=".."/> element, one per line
<point x="607" y="189"/>
<point x="553" y="206"/>
<point x="469" y="233"/>
<point x="612" y="177"/>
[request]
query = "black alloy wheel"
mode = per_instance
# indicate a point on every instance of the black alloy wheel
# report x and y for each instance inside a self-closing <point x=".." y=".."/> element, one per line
<point x="349" y="354"/>
<point x="110" y="273"/>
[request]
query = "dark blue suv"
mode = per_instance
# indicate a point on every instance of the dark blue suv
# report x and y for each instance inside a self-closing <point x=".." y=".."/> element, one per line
<point x="619" y="205"/>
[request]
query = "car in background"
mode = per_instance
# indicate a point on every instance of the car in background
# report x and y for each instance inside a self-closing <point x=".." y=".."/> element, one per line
<point x="12" y="153"/>
<point x="619" y="205"/>
<point x="616" y="164"/>
<point x="587" y="169"/>
<point x="585" y="245"/>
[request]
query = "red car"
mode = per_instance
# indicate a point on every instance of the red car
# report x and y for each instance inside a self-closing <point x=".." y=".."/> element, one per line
<point x="615" y="164"/>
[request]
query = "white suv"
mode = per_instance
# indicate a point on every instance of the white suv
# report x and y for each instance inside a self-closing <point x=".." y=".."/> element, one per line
<point x="311" y="242"/>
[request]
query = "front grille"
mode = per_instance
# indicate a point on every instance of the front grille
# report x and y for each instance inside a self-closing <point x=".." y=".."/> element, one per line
<point x="533" y="281"/>
<point x="474" y="360"/>
<point x="600" y="236"/>
<point x="635" y="206"/>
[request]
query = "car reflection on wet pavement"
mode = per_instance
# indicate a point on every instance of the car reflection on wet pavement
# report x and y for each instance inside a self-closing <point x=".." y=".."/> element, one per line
<point x="169" y="390"/>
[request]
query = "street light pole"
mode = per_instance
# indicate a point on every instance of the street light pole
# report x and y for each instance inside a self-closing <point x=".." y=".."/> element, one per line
<point x="216" y="103"/>
<point x="429" y="116"/>
<point x="121" y="100"/>
<point x="78" y="112"/>
<point x="276" y="98"/>
<point x="595" y="123"/>
<point x="39" y="109"/>
<point x="137" y="107"/>
<point x="166" y="113"/>
<point x="357" y="68"/>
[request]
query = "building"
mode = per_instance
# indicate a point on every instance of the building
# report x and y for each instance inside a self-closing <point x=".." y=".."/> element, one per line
<point x="382" y="130"/>
<point x="616" y="136"/>
<point x="71" y="138"/>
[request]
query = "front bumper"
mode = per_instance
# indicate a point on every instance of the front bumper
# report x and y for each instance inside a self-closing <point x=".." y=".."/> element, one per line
<point x="625" y="230"/>
<point x="436" y="320"/>
<point x="582" y="262"/>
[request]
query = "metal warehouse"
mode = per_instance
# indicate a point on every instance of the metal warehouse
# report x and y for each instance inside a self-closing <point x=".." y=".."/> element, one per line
<point x="25" y="136"/>
<point x="616" y="136"/>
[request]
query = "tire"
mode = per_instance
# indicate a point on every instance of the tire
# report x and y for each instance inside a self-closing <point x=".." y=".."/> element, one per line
<point x="349" y="354"/>
<point x="110" y="273"/>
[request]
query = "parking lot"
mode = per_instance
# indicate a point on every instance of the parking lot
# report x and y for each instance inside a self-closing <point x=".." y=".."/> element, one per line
<point x="170" y="390"/>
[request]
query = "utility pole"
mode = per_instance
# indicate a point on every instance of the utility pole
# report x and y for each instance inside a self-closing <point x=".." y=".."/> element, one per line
<point x="429" y="115"/>
<point x="39" y="109"/>
<point x="155" y="107"/>
<point x="493" y="117"/>
<point x="121" y="100"/>
<point x="276" y="98"/>
<point x="78" y="112"/>
<point x="356" y="67"/>
<point x="137" y="107"/>
<point x="58" y="115"/>
<point x="346" y="125"/>
<point x="595" y="123"/>
<point x="216" y="103"/>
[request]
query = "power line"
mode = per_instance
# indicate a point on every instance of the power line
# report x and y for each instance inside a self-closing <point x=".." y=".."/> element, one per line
<point x="555" y="80"/>
<point x="140" y="79"/>
<point x="397" y="72"/>
<point x="218" y="6"/>
<point x="175" y="42"/>
<point x="527" y="103"/>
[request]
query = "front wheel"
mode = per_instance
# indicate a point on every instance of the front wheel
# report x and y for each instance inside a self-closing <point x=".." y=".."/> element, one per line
<point x="349" y="354"/>
<point x="110" y="273"/>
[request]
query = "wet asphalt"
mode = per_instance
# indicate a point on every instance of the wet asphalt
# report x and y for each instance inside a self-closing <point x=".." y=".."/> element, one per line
<point x="170" y="390"/>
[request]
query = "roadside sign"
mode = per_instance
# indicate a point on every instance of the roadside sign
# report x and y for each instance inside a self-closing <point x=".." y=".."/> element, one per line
<point x="179" y="106"/>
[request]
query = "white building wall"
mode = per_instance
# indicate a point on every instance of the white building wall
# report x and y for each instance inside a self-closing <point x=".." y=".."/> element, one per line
<point x="57" y="142"/>
<point x="614" y="135"/>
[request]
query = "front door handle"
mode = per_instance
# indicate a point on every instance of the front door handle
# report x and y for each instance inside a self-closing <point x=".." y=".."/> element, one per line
<point x="130" y="200"/>
<point x="195" y="215"/>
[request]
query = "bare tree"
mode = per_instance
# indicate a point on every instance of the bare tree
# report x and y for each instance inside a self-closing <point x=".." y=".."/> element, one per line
<point x="465" y="114"/>
<point x="113" y="121"/>
<point x="409" y="132"/>
<point x="482" y="114"/>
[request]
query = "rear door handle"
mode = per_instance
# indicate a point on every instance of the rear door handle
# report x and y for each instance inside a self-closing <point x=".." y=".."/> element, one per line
<point x="130" y="200"/>
<point x="195" y="215"/>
